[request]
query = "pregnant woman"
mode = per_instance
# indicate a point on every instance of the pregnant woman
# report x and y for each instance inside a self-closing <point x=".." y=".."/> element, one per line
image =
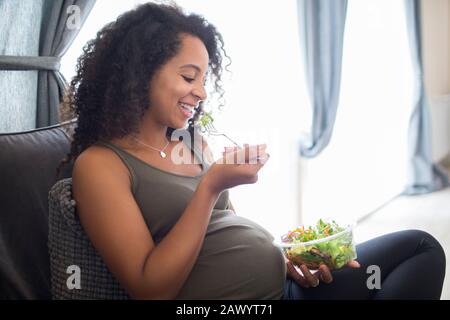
<point x="155" y="204"/>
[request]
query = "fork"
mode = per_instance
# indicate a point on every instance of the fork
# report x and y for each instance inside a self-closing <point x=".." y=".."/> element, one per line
<point x="211" y="129"/>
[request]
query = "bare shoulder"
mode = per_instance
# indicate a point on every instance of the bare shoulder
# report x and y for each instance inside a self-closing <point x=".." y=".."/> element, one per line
<point x="99" y="161"/>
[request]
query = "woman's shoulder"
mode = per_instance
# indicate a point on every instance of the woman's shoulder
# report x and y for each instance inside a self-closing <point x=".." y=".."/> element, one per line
<point x="94" y="154"/>
<point x="100" y="162"/>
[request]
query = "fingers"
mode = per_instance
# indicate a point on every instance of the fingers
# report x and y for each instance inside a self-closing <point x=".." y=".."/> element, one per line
<point x="353" y="264"/>
<point x="312" y="280"/>
<point x="307" y="279"/>
<point x="325" y="274"/>
<point x="231" y="155"/>
<point x="229" y="150"/>
<point x="293" y="273"/>
<point x="249" y="154"/>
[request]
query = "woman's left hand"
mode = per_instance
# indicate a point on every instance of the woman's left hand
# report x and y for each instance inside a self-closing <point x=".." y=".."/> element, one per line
<point x="307" y="279"/>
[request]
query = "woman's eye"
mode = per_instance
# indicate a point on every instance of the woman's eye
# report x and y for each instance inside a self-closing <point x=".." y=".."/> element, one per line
<point x="188" y="79"/>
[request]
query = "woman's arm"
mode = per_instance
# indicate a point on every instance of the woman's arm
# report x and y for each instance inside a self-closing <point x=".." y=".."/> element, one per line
<point x="169" y="264"/>
<point x="115" y="226"/>
<point x="209" y="157"/>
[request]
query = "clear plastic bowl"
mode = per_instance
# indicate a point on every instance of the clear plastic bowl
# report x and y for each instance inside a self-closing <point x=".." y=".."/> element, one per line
<point x="335" y="251"/>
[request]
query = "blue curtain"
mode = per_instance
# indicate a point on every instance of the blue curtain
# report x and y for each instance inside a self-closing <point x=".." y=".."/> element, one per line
<point x="423" y="175"/>
<point x="321" y="31"/>
<point x="20" y="24"/>
<point x="56" y="38"/>
<point x="34" y="35"/>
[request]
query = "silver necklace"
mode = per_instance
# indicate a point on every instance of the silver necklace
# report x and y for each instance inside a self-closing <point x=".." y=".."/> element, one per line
<point x="161" y="151"/>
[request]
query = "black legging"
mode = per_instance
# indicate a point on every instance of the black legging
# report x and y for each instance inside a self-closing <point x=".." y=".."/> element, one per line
<point x="412" y="266"/>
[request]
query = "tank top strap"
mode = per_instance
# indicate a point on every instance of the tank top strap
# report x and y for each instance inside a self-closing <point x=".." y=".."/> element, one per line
<point x="124" y="157"/>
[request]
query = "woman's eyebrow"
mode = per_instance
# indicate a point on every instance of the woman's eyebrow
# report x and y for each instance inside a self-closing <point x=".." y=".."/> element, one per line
<point x="192" y="66"/>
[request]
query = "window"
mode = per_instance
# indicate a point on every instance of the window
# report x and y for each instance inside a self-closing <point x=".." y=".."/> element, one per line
<point x="104" y="11"/>
<point x="364" y="165"/>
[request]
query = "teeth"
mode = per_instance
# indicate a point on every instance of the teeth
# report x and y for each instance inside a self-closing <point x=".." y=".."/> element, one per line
<point x="186" y="107"/>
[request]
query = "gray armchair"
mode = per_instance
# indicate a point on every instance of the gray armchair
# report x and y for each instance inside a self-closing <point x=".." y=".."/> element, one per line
<point x="28" y="162"/>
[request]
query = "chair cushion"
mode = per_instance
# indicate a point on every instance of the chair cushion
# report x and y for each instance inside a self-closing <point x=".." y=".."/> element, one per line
<point x="77" y="270"/>
<point x="28" y="162"/>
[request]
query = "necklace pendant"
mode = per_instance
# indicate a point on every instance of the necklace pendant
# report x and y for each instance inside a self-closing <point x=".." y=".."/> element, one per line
<point x="162" y="154"/>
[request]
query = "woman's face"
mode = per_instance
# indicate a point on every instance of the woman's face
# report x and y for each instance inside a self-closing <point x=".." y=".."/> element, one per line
<point x="178" y="86"/>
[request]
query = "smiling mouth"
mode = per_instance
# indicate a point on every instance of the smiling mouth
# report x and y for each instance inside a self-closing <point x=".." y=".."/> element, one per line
<point x="186" y="109"/>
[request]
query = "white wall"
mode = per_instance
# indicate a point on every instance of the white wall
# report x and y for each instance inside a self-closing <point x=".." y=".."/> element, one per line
<point x="436" y="63"/>
<point x="435" y="40"/>
<point x="440" y="121"/>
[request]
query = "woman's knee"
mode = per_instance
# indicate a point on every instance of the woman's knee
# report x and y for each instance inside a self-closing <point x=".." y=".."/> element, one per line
<point x="428" y="243"/>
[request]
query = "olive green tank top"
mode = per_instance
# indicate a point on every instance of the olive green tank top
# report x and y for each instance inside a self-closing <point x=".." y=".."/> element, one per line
<point x="237" y="260"/>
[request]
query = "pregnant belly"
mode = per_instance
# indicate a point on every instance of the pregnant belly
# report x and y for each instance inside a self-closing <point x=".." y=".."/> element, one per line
<point x="237" y="261"/>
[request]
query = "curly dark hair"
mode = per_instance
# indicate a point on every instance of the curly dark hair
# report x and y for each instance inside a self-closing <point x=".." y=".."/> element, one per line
<point x="109" y="94"/>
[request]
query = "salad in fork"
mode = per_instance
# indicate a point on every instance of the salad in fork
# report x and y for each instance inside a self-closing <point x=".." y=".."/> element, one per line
<point x="205" y="119"/>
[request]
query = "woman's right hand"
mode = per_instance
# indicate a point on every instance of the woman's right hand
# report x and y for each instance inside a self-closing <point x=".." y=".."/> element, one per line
<point x="236" y="167"/>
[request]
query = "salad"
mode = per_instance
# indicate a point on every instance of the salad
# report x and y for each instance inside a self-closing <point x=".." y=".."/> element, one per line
<point x="325" y="243"/>
<point x="205" y="119"/>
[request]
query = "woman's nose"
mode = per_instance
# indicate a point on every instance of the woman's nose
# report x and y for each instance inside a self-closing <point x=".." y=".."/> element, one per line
<point x="200" y="93"/>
